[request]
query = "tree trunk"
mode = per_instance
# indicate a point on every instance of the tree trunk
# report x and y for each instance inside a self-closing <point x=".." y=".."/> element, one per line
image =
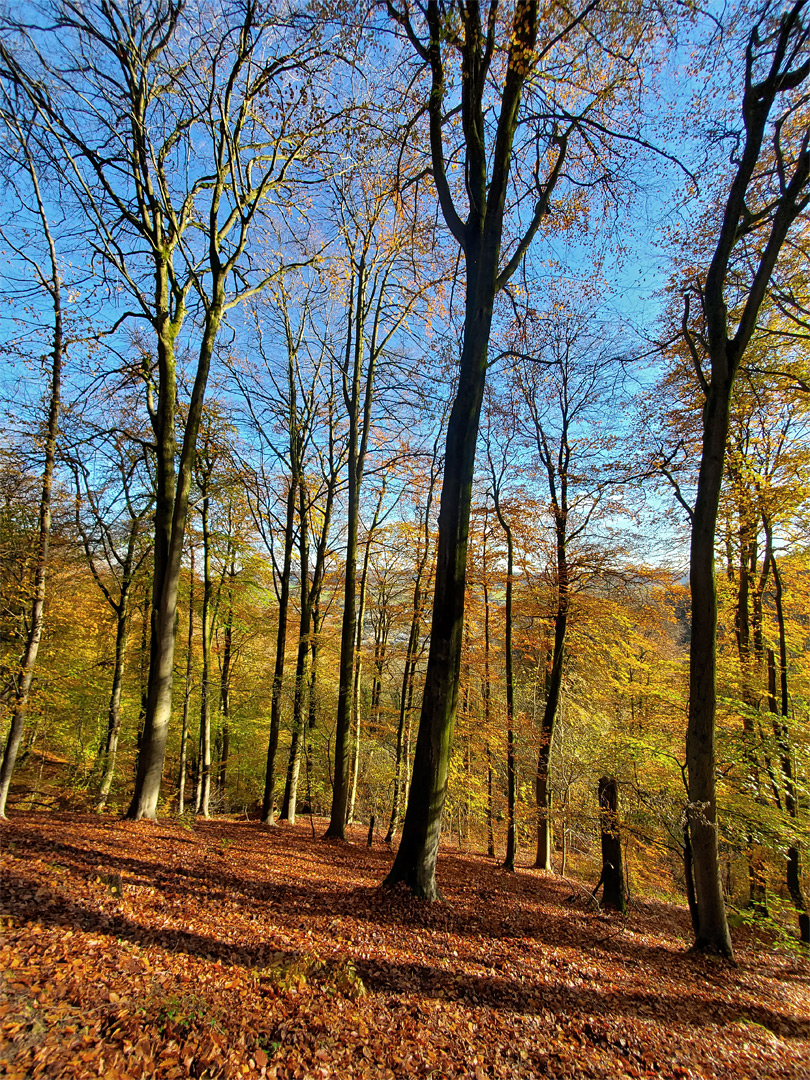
<point x="181" y="786"/>
<point x="614" y="895"/>
<point x="204" y="779"/>
<point x="511" y="765"/>
<point x="114" y="710"/>
<point x="490" y="815"/>
<point x="25" y="673"/>
<point x="268" y="808"/>
<point x="554" y="687"/>
<point x="793" y="866"/>
<point x="171" y="514"/>
<point x="225" y="690"/>
<point x="415" y="863"/>
<point x="713" y="934"/>
<point x="289" y="805"/>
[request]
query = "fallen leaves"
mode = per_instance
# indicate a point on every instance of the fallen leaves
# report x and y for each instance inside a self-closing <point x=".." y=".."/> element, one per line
<point x="148" y="951"/>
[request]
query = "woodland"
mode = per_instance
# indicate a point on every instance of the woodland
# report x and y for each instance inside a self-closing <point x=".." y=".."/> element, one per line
<point x="404" y="583"/>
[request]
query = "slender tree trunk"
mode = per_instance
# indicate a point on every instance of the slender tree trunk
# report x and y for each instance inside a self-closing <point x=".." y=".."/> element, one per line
<point x="358" y="665"/>
<point x="181" y="786"/>
<point x="409" y="671"/>
<point x="793" y="866"/>
<point x="114" y="710"/>
<point x="490" y="814"/>
<point x="543" y="786"/>
<point x="225" y="689"/>
<point x="204" y="780"/>
<point x="28" y="660"/>
<point x="289" y="805"/>
<point x="268" y="808"/>
<point x="742" y="627"/>
<point x="511" y="765"/>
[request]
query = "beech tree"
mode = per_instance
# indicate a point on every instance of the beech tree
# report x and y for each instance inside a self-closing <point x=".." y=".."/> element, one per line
<point x="489" y="73"/>
<point x="171" y="197"/>
<point x="21" y="174"/>
<point x="767" y="196"/>
<point x="382" y="284"/>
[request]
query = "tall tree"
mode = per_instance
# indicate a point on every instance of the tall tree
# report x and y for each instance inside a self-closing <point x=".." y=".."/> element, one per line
<point x="171" y="197"/>
<point x="480" y="60"/>
<point x="767" y="196"/>
<point x="382" y="291"/>
<point x="44" y="267"/>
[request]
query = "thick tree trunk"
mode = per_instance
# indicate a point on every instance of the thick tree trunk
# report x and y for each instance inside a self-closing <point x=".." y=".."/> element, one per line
<point x="415" y="863"/>
<point x="614" y="895"/>
<point x="171" y="515"/>
<point x="713" y="934"/>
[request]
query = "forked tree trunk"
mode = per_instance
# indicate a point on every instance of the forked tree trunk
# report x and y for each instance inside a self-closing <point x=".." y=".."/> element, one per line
<point x="775" y="66"/>
<point x="487" y="178"/>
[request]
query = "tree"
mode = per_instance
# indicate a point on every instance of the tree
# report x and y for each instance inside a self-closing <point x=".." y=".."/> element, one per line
<point x="498" y="58"/>
<point x="383" y="285"/>
<point x="47" y="275"/>
<point x="766" y="198"/>
<point x="171" y="197"/>
<point x="497" y="475"/>
<point x="110" y="515"/>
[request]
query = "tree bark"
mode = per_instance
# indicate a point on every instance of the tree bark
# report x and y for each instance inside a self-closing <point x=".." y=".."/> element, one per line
<point x="614" y="895"/>
<point x="114" y="710"/>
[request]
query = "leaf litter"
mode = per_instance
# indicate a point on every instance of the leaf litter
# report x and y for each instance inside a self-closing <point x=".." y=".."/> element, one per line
<point x="228" y="950"/>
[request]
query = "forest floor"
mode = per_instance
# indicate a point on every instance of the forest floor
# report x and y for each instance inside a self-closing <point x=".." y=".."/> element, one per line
<point x="226" y="950"/>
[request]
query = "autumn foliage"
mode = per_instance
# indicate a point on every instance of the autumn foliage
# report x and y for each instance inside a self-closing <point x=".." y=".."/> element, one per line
<point x="225" y="950"/>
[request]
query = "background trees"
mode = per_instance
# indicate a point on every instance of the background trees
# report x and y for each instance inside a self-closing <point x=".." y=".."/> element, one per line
<point x="222" y="240"/>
